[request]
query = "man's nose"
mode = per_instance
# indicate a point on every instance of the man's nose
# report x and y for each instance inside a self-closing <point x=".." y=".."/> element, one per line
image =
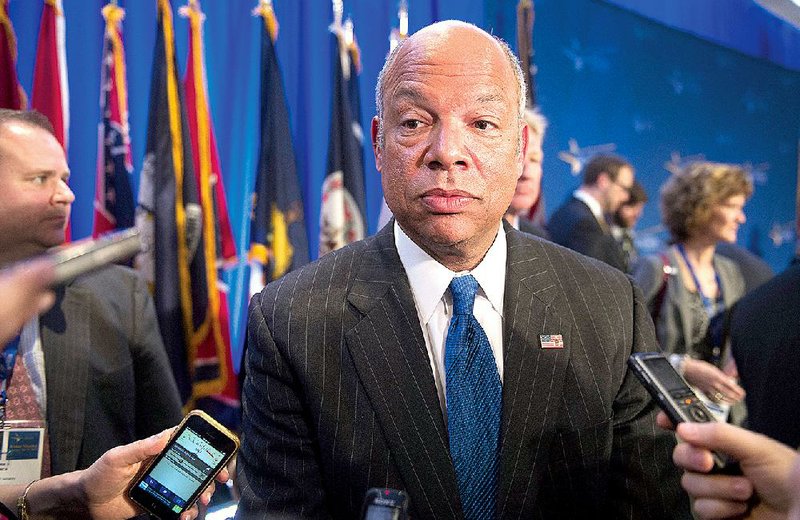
<point x="447" y="148"/>
<point x="62" y="193"/>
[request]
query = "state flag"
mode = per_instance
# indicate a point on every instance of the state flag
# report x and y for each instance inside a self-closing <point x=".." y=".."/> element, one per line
<point x="113" y="199"/>
<point x="343" y="211"/>
<point x="214" y="378"/>
<point x="278" y="240"/>
<point x="11" y="93"/>
<point x="170" y="219"/>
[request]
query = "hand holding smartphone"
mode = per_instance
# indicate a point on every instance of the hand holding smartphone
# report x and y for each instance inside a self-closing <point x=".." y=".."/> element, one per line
<point x="174" y="480"/>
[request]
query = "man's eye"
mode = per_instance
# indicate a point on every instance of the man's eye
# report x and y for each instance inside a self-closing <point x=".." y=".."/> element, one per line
<point x="483" y="125"/>
<point x="411" y="124"/>
<point x="40" y="179"/>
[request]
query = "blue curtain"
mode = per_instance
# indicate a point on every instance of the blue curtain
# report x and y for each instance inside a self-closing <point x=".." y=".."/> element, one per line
<point x="606" y="75"/>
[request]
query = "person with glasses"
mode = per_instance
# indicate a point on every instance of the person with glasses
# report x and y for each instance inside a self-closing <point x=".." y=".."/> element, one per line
<point x="624" y="220"/>
<point x="689" y="287"/>
<point x="580" y="223"/>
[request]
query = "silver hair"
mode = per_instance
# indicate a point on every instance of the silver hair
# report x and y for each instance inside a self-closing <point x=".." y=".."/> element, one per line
<point x="510" y="57"/>
<point x="536" y="120"/>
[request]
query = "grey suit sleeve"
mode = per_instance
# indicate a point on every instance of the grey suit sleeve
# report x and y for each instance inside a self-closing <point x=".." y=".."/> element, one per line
<point x="278" y="468"/>
<point x="648" y="275"/>
<point x="158" y="404"/>
<point x="644" y="483"/>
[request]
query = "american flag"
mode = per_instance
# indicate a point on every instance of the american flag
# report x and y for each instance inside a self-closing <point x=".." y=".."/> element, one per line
<point x="113" y="205"/>
<point x="551" y="341"/>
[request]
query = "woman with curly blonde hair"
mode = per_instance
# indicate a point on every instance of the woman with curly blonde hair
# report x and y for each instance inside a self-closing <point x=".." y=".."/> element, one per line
<point x="690" y="289"/>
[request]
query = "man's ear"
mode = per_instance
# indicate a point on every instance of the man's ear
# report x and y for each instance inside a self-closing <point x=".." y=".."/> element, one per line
<point x="376" y="149"/>
<point x="603" y="180"/>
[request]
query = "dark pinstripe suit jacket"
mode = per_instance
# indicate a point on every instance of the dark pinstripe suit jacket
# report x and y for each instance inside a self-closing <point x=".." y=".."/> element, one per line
<point x="107" y="374"/>
<point x="340" y="397"/>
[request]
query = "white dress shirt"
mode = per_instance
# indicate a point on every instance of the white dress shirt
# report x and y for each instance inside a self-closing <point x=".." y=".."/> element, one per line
<point x="594" y="206"/>
<point x="30" y="348"/>
<point x="430" y="281"/>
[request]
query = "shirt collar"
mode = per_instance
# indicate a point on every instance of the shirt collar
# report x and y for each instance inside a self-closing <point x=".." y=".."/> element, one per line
<point x="429" y="279"/>
<point x="592" y="202"/>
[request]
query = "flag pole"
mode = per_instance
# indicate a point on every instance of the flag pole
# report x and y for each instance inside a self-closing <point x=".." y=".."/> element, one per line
<point x="525" y="17"/>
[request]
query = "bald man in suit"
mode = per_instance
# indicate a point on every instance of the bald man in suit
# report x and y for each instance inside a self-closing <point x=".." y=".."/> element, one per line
<point x="351" y="381"/>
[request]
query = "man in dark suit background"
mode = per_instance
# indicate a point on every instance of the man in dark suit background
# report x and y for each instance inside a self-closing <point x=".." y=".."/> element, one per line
<point x="580" y="223"/>
<point x="94" y="363"/>
<point x="765" y="340"/>
<point x="355" y="367"/>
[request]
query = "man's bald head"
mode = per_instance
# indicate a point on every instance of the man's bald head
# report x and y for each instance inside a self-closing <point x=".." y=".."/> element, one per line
<point x="436" y="37"/>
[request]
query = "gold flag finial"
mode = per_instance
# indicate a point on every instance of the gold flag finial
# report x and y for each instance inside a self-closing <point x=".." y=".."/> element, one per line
<point x="264" y="9"/>
<point x="402" y="15"/>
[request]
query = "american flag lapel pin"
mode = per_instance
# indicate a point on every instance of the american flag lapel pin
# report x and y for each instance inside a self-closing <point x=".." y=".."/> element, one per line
<point x="551" y="341"/>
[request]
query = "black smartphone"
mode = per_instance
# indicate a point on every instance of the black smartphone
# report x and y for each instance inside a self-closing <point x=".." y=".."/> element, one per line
<point x="674" y="395"/>
<point x="77" y="258"/>
<point x="385" y="504"/>
<point x="173" y="481"/>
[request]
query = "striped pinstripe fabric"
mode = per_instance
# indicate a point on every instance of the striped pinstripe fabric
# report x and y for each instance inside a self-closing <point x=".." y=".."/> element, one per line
<point x="339" y="395"/>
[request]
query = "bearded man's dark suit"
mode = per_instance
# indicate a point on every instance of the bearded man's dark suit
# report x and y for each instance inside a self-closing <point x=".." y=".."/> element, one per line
<point x="340" y="395"/>
<point x="573" y="225"/>
<point x="107" y="374"/>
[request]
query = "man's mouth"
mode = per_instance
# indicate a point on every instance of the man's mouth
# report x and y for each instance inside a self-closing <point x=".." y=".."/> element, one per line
<point x="447" y="201"/>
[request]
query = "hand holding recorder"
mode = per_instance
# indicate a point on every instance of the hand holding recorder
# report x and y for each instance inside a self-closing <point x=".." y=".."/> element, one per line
<point x="767" y="487"/>
<point x="24" y="292"/>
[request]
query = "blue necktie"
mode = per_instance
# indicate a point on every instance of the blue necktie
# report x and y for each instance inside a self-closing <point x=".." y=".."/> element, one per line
<point x="474" y="400"/>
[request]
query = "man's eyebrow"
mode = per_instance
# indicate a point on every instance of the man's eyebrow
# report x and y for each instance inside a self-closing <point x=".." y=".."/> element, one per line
<point x="490" y="98"/>
<point x="51" y="173"/>
<point x="410" y="93"/>
<point x="416" y="95"/>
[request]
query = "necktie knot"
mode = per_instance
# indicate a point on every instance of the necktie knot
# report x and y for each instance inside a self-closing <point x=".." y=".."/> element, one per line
<point x="463" y="289"/>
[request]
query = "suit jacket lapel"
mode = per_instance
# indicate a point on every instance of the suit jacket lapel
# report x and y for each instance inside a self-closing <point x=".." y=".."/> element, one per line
<point x="390" y="356"/>
<point x="65" y="334"/>
<point x="533" y="376"/>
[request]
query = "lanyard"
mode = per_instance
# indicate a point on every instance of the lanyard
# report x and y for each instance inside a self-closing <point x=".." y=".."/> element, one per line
<point x="9" y="357"/>
<point x="707" y="303"/>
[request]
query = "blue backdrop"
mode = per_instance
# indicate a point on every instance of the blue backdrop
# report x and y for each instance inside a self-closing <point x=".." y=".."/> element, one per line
<point x="606" y="76"/>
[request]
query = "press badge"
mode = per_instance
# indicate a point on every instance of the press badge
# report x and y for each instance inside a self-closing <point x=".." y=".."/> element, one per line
<point x="22" y="451"/>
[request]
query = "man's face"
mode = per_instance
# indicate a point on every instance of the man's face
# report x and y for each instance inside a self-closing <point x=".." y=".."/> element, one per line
<point x="529" y="184"/>
<point x="450" y="159"/>
<point x="618" y="191"/>
<point x="629" y="214"/>
<point x="35" y="202"/>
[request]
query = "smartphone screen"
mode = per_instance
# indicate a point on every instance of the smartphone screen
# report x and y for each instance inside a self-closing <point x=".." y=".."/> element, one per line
<point x="385" y="504"/>
<point x="180" y="473"/>
<point x="376" y="512"/>
<point x="665" y="374"/>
